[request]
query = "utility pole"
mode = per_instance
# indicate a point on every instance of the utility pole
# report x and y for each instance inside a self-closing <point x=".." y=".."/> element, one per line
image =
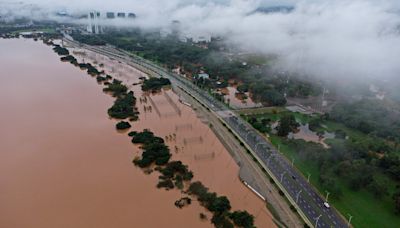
<point x="349" y="221"/>
<point x="298" y="195"/>
<point x="327" y="195"/>
<point x="317" y="219"/>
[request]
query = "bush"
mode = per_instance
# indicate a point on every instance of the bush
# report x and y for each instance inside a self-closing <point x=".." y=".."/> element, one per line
<point x="154" y="84"/>
<point x="154" y="150"/>
<point x="167" y="184"/>
<point x="123" y="107"/>
<point x="242" y="219"/>
<point x="69" y="58"/>
<point x="116" y="88"/>
<point x="122" y="125"/>
<point x="60" y="50"/>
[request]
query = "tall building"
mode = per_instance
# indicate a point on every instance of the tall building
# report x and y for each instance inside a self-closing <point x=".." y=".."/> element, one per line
<point x="121" y="15"/>
<point x="93" y="25"/>
<point x="110" y="15"/>
<point x="131" y="15"/>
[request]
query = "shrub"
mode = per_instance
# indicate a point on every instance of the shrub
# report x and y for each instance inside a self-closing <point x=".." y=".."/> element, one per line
<point x="122" y="125"/>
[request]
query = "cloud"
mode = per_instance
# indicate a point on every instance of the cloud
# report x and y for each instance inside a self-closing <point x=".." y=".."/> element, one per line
<point x="335" y="39"/>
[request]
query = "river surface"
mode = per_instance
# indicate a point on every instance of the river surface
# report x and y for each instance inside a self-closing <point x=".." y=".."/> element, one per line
<point x="63" y="164"/>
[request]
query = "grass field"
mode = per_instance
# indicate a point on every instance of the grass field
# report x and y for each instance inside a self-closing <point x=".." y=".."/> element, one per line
<point x="367" y="211"/>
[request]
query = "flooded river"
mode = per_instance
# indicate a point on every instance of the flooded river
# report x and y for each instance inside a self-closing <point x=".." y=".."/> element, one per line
<point x="63" y="164"/>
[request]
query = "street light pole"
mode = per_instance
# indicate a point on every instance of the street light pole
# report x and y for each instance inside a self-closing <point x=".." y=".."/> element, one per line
<point x="327" y="195"/>
<point x="308" y="177"/>
<point x="282" y="176"/>
<point x="298" y="195"/>
<point x="292" y="161"/>
<point x="349" y="221"/>
<point x="316" y="222"/>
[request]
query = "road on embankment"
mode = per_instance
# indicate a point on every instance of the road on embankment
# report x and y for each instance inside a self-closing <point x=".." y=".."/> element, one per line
<point x="302" y="195"/>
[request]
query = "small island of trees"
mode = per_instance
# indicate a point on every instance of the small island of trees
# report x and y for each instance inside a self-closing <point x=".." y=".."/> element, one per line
<point x="155" y="84"/>
<point x="69" y="58"/>
<point x="122" y="125"/>
<point x="60" y="50"/>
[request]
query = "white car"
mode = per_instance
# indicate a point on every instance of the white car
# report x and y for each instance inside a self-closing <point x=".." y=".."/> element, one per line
<point x="326" y="204"/>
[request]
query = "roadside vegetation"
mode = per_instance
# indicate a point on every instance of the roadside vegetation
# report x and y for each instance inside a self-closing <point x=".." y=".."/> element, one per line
<point x="360" y="170"/>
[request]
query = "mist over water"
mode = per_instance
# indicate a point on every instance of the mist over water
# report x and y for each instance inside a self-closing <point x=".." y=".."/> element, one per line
<point x="336" y="40"/>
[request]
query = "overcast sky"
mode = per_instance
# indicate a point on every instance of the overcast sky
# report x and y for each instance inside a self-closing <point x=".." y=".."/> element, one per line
<point x="339" y="39"/>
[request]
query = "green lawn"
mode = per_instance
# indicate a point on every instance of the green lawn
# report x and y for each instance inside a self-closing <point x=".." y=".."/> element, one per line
<point x="367" y="210"/>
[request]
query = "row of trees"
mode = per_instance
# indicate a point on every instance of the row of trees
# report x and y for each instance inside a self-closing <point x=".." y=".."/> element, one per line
<point x="155" y="152"/>
<point x="155" y="84"/>
<point x="175" y="174"/>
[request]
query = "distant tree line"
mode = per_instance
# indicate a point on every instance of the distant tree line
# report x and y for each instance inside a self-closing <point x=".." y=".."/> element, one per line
<point x="263" y="84"/>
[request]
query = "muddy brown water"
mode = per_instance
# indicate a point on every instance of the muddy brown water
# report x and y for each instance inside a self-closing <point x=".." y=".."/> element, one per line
<point x="63" y="164"/>
<point x="237" y="100"/>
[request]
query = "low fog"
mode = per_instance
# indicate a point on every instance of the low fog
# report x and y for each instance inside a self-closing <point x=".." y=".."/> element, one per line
<point x="335" y="39"/>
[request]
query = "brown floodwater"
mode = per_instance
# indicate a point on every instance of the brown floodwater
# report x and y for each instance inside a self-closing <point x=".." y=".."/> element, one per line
<point x="237" y="100"/>
<point x="63" y="164"/>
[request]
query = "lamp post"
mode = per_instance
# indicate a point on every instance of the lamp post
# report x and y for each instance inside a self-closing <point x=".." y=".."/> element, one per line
<point x="308" y="177"/>
<point x="349" y="221"/>
<point x="317" y="220"/>
<point x="282" y="176"/>
<point x="298" y="195"/>
<point x="327" y="195"/>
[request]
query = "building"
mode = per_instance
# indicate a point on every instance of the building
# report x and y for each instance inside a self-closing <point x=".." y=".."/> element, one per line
<point x="110" y="15"/>
<point x="203" y="76"/>
<point x="93" y="25"/>
<point x="121" y="15"/>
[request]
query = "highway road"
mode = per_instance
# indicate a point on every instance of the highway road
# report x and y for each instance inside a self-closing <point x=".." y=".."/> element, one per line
<point x="306" y="199"/>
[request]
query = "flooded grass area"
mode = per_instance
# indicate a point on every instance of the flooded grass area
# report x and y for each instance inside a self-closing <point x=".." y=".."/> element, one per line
<point x="237" y="100"/>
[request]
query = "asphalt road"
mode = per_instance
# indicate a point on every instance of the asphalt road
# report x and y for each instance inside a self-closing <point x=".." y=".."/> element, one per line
<point x="308" y="200"/>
